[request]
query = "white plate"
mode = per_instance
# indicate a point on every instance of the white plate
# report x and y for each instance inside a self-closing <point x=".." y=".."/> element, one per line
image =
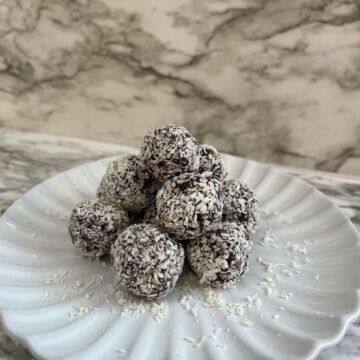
<point x="47" y="309"/>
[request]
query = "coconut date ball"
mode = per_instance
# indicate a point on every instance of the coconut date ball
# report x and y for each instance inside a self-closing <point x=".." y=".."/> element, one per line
<point x="128" y="184"/>
<point x="169" y="151"/>
<point x="221" y="256"/>
<point x="150" y="214"/>
<point x="188" y="204"/>
<point x="146" y="261"/>
<point x="240" y="204"/>
<point x="94" y="226"/>
<point x="211" y="160"/>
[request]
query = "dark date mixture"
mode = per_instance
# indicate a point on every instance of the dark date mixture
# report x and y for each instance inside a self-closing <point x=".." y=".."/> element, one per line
<point x="169" y="203"/>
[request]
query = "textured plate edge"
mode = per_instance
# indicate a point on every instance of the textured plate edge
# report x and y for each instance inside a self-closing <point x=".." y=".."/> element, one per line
<point x="327" y="343"/>
<point x="19" y="340"/>
<point x="319" y="345"/>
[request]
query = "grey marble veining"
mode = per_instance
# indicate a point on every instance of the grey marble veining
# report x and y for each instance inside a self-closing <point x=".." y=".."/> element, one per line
<point x="28" y="158"/>
<point x="274" y="80"/>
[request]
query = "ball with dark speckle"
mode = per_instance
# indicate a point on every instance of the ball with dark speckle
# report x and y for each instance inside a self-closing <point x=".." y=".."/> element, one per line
<point x="221" y="256"/>
<point x="146" y="261"/>
<point x="240" y="204"/>
<point x="188" y="204"/>
<point x="94" y="226"/>
<point x="169" y="151"/>
<point x="211" y="160"/>
<point x="128" y="184"/>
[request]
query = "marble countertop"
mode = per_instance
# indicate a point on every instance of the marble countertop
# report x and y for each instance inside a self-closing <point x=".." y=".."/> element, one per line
<point x="273" y="80"/>
<point x="29" y="158"/>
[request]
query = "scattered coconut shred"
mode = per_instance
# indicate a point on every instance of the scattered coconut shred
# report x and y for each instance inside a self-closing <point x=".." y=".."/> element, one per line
<point x="136" y="306"/>
<point x="208" y="298"/>
<point x="214" y="299"/>
<point x="117" y="301"/>
<point x="122" y="303"/>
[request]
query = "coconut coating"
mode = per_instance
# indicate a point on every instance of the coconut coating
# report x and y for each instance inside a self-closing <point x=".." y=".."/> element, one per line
<point x="94" y="226"/>
<point x="211" y="160"/>
<point x="128" y="184"/>
<point x="150" y="214"/>
<point x="146" y="261"/>
<point x="240" y="204"/>
<point x="169" y="151"/>
<point x="189" y="204"/>
<point x="102" y="197"/>
<point x="221" y="256"/>
<point x="100" y="192"/>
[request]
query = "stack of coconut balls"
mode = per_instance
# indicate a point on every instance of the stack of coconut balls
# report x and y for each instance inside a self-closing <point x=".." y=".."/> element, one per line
<point x="151" y="207"/>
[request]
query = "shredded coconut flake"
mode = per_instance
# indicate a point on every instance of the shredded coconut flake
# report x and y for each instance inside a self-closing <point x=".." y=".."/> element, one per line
<point x="268" y="287"/>
<point x="246" y="323"/>
<point x="77" y="285"/>
<point x="267" y="240"/>
<point x="214" y="299"/>
<point x="159" y="311"/>
<point x="297" y="248"/>
<point x="82" y="309"/>
<point x="286" y="295"/>
<point x="121" y="351"/>
<point x="286" y="272"/>
<point x="295" y="265"/>
<point x="189" y="339"/>
<point x="201" y="341"/>
<point x="57" y="278"/>
<point x="128" y="303"/>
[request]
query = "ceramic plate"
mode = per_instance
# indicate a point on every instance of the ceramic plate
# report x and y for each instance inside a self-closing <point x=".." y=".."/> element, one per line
<point x="299" y="296"/>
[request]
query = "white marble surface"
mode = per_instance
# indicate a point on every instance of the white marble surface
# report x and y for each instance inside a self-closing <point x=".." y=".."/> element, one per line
<point x="29" y="158"/>
<point x="275" y="80"/>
